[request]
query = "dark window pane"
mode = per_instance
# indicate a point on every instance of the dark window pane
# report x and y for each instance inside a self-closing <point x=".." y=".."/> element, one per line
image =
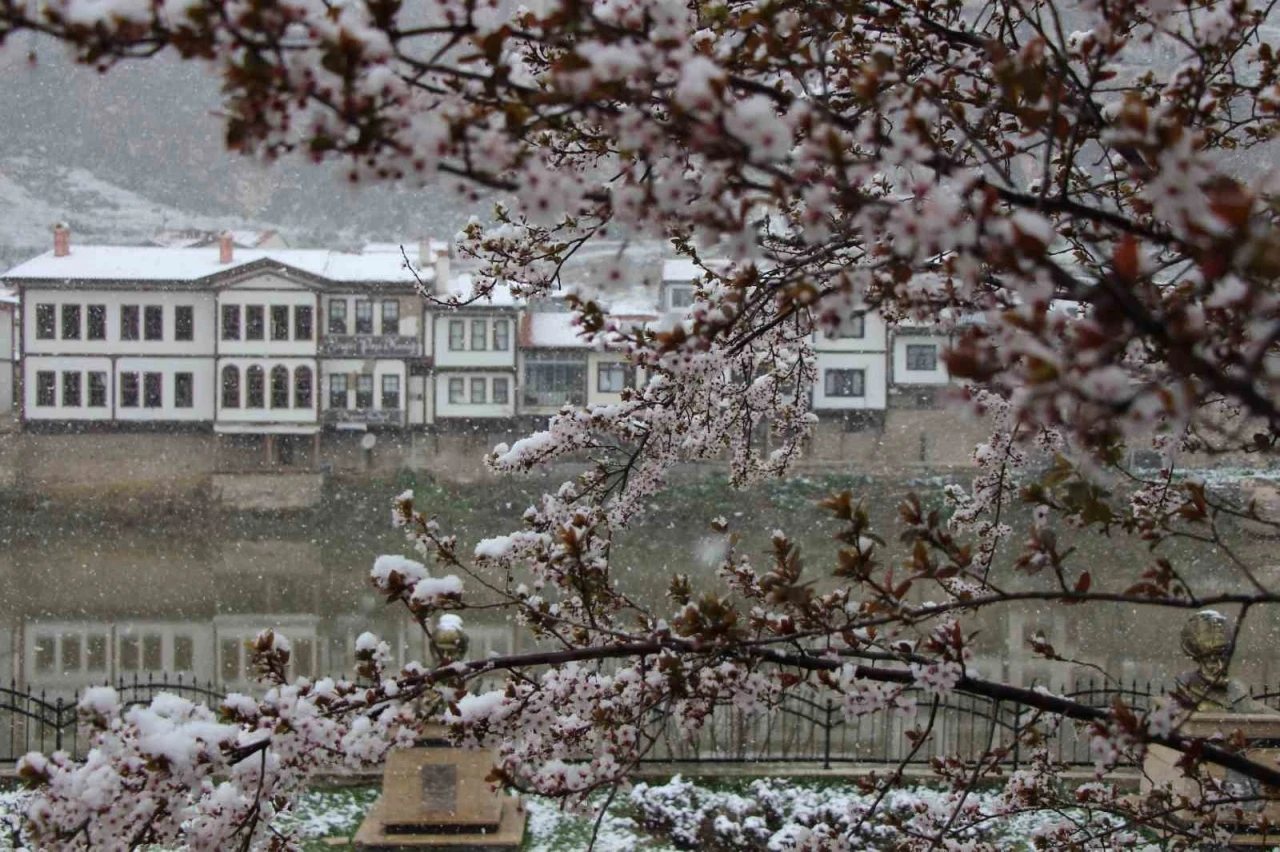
<point x="253" y="322"/>
<point x="97" y="390"/>
<point x="153" y="390"/>
<point x="391" y="392"/>
<point x="184" y="323"/>
<point x="128" y="390"/>
<point x="845" y="382"/>
<point x="184" y="653"/>
<point x="45" y="646"/>
<point x="70" y="322"/>
<point x="337" y="316"/>
<point x="457" y="334"/>
<point x="338" y="390"/>
<point x="46" y="324"/>
<point x="183" y="390"/>
<point x="364" y="316"/>
<point x="96" y="653"/>
<point x="302" y="387"/>
<point x="46" y="388"/>
<point x="129" y="653"/>
<point x="230" y="386"/>
<point x="477" y="390"/>
<point x="456" y="388"/>
<point x="922" y="357"/>
<point x="152" y="653"/>
<point x="70" y="652"/>
<point x="479" y="334"/>
<point x="500" y="391"/>
<point x="390" y="317"/>
<point x="280" y="387"/>
<point x="229" y="662"/>
<point x="501" y="335"/>
<point x="279" y="322"/>
<point x="129" y="322"/>
<point x="256" y="379"/>
<point x="97" y="322"/>
<point x="230" y="322"/>
<point x="153" y="324"/>
<point x="302" y="322"/>
<point x="70" y="389"/>
<point x="364" y="391"/>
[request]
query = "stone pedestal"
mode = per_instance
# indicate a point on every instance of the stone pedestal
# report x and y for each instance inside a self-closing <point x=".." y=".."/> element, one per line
<point x="438" y="799"/>
<point x="1262" y="737"/>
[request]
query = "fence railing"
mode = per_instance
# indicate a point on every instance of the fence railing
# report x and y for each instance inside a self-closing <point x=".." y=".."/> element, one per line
<point x="802" y="728"/>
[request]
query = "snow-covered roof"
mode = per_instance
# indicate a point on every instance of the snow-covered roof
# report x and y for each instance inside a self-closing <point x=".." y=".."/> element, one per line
<point x="552" y="330"/>
<point x="684" y="269"/>
<point x="461" y="286"/>
<point x="149" y="263"/>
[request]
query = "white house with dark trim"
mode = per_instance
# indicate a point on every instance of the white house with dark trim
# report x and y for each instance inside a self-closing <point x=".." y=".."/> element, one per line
<point x="8" y="350"/>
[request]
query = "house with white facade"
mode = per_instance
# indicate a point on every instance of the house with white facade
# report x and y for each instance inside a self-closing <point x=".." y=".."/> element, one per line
<point x="917" y="372"/>
<point x="852" y="369"/>
<point x="473" y="358"/>
<point x="270" y="344"/>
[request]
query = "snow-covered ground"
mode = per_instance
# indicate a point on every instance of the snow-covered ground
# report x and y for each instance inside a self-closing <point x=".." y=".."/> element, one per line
<point x="677" y="815"/>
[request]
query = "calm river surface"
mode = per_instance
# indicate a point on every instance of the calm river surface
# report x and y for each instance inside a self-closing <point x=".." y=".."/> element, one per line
<point x="180" y="589"/>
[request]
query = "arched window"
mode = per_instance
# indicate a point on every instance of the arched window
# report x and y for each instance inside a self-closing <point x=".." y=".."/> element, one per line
<point x="302" y="387"/>
<point x="230" y="386"/>
<point x="280" y="386"/>
<point x="256" y="380"/>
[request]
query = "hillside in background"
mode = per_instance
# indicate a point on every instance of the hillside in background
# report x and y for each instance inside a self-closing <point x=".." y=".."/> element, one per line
<point x="123" y="155"/>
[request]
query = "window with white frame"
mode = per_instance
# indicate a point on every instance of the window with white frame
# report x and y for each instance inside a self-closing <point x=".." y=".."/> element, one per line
<point x="337" y="316"/>
<point x="364" y="391"/>
<point x="231" y="386"/>
<point x="478" y="391"/>
<point x="457" y="335"/>
<point x="554" y="379"/>
<point x="97" y="389"/>
<point x="845" y="383"/>
<point x="501" y="335"/>
<point x="153" y="390"/>
<point x="338" y="390"/>
<point x="230" y="322"/>
<point x="184" y="390"/>
<point x="70" y="322"/>
<point x="279" y="322"/>
<point x="457" y="390"/>
<point x="46" y="388"/>
<point x="70" y="389"/>
<point x="613" y="376"/>
<point x="46" y="322"/>
<point x="302" y="387"/>
<point x="184" y="323"/>
<point x="97" y="329"/>
<point x="922" y="357"/>
<point x="390" y="316"/>
<point x="254" y="322"/>
<point x="130" y="320"/>
<point x="129" y="387"/>
<point x="501" y="391"/>
<point x="153" y="322"/>
<point x="853" y="327"/>
<point x="364" y="316"/>
<point x="391" y="392"/>
<point x="302" y="322"/>
<point x="479" y="334"/>
<point x="679" y="296"/>
<point x="255" y="380"/>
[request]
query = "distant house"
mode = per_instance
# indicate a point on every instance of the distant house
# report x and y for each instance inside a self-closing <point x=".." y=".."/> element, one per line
<point x="473" y="357"/>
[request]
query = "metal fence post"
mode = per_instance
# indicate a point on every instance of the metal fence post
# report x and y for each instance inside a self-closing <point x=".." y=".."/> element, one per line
<point x="826" y="736"/>
<point x="57" y="729"/>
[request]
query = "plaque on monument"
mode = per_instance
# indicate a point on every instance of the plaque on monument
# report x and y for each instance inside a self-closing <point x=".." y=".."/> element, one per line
<point x="439" y="787"/>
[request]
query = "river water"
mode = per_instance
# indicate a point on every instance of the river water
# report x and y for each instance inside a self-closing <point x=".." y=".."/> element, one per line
<point x="177" y="590"/>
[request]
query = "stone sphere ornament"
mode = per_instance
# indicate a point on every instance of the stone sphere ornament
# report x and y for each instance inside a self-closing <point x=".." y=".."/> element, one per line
<point x="449" y="641"/>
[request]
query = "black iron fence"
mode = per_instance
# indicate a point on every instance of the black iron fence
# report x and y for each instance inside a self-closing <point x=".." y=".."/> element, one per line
<point x="802" y="728"/>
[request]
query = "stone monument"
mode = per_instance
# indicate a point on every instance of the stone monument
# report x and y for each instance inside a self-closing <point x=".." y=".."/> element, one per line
<point x="1217" y="704"/>
<point x="437" y="798"/>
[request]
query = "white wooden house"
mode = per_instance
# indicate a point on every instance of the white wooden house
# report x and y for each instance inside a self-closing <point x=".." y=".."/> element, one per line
<point x="473" y="359"/>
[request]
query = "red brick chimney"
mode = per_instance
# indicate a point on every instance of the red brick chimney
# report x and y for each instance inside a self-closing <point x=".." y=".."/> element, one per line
<point x="61" y="240"/>
<point x="225" y="247"/>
